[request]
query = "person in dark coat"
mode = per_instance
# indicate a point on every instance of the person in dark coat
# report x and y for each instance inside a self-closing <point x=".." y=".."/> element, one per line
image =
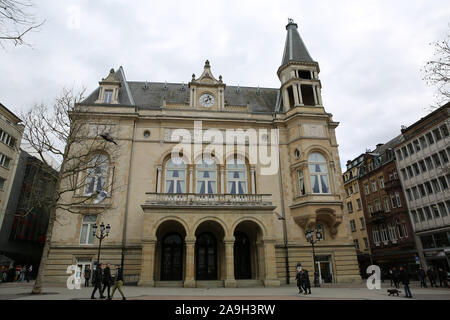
<point x="442" y="277"/>
<point x="97" y="281"/>
<point x="391" y="276"/>
<point x="432" y="276"/>
<point x="396" y="277"/>
<point x="299" y="282"/>
<point x="422" y="277"/>
<point x="107" y="280"/>
<point x="87" y="275"/>
<point x="118" y="283"/>
<point x="306" y="284"/>
<point x="404" y="276"/>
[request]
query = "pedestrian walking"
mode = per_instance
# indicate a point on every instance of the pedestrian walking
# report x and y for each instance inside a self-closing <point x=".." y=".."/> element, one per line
<point x="442" y="278"/>
<point x="3" y="274"/>
<point x="396" y="274"/>
<point x="97" y="281"/>
<point x="299" y="281"/>
<point x="422" y="277"/>
<point x="306" y="284"/>
<point x="22" y="273"/>
<point x="28" y="273"/>
<point x="118" y="283"/>
<point x="431" y="276"/>
<point x="87" y="275"/>
<point x="107" y="280"/>
<point x="391" y="276"/>
<point x="404" y="276"/>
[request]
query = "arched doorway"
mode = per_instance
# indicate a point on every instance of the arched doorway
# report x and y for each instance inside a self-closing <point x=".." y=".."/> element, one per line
<point x="242" y="258"/>
<point x="172" y="257"/>
<point x="206" y="256"/>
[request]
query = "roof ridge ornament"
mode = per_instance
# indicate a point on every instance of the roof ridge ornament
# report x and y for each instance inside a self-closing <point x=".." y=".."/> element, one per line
<point x="207" y="64"/>
<point x="290" y="20"/>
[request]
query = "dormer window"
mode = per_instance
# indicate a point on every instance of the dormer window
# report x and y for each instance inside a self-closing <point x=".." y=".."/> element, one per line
<point x="108" y="96"/>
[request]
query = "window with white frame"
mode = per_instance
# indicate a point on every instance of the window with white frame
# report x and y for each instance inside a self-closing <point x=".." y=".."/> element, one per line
<point x="381" y="181"/>
<point x="374" y="185"/>
<point x="318" y="173"/>
<point x="397" y="197"/>
<point x="175" y="176"/>
<point x="96" y="174"/>
<point x="384" y="234"/>
<point x="405" y="229"/>
<point x="301" y="183"/>
<point x="206" y="177"/>
<point x="366" y="243"/>
<point x="356" y="244"/>
<point x="370" y="209"/>
<point x="392" y="234"/>
<point x="363" y="223"/>
<point x="366" y="188"/>
<point x="399" y="229"/>
<point x="355" y="186"/>
<point x="108" y="95"/>
<point x="352" y="225"/>
<point x="4" y="161"/>
<point x="350" y="207"/>
<point x="386" y="204"/>
<point x="376" y="235"/>
<point x="377" y="205"/>
<point x="358" y="203"/>
<point x="87" y="230"/>
<point x="393" y="203"/>
<point x="236" y="177"/>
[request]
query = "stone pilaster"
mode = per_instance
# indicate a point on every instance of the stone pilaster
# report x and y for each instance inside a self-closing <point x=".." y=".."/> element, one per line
<point x="230" y="281"/>
<point x="189" y="280"/>
<point x="148" y="263"/>
<point x="270" y="278"/>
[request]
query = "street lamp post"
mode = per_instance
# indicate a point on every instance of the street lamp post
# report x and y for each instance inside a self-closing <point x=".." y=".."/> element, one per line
<point x="104" y="232"/>
<point x="309" y="233"/>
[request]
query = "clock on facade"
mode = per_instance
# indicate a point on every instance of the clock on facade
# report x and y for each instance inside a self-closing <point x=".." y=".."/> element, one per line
<point x="207" y="100"/>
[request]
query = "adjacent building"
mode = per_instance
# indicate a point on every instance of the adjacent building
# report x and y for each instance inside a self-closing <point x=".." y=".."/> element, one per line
<point x="207" y="218"/>
<point x="423" y="161"/>
<point x="11" y="131"/>
<point x="24" y="228"/>
<point x="355" y="211"/>
<point x="388" y="225"/>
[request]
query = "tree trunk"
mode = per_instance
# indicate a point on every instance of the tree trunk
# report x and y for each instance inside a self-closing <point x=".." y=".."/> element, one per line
<point x="37" y="288"/>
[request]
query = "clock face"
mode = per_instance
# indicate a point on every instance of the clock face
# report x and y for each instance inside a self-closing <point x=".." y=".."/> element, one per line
<point x="207" y="100"/>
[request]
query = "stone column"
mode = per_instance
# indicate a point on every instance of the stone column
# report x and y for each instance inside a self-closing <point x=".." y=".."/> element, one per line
<point x="315" y="95"/>
<point x="252" y="180"/>
<point x="222" y="179"/>
<point x="191" y="180"/>
<point x="189" y="280"/>
<point x="230" y="281"/>
<point x="299" y="87"/>
<point x="148" y="263"/>
<point x="319" y="95"/>
<point x="158" y="183"/>
<point x="270" y="277"/>
<point x="296" y="97"/>
<point x="285" y="99"/>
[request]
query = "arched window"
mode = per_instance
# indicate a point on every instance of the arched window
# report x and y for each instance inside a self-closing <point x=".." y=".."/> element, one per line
<point x="96" y="174"/>
<point x="318" y="173"/>
<point x="236" y="177"/>
<point x="206" y="177"/>
<point x="175" y="181"/>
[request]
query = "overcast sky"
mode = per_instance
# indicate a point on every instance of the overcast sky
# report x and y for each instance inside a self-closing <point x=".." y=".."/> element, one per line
<point x="370" y="53"/>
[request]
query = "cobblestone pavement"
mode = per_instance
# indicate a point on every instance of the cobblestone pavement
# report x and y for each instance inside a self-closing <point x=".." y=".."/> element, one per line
<point x="21" y="291"/>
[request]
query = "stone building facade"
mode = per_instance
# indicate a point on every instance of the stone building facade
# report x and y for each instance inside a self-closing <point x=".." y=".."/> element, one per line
<point x="355" y="210"/>
<point x="11" y="131"/>
<point x="423" y="161"/>
<point x="389" y="228"/>
<point x="213" y="216"/>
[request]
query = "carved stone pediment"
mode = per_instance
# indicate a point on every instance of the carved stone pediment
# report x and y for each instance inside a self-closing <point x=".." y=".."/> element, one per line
<point x="111" y="79"/>
<point x="206" y="78"/>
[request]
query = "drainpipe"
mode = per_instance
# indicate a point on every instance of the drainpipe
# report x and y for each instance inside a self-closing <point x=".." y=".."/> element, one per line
<point x="125" y="219"/>
<point x="283" y="214"/>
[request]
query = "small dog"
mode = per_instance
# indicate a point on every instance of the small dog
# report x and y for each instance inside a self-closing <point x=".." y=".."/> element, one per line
<point x="393" y="291"/>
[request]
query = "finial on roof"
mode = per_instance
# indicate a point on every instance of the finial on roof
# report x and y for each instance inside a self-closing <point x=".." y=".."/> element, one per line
<point x="220" y="78"/>
<point x="112" y="70"/>
<point x="290" y="20"/>
<point x="207" y="64"/>
<point x="193" y="76"/>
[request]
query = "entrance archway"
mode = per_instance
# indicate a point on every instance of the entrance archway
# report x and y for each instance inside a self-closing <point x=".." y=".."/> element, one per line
<point x="170" y="251"/>
<point x="172" y="257"/>
<point x="206" y="262"/>
<point x="242" y="257"/>
<point x="248" y="251"/>
<point x="209" y="251"/>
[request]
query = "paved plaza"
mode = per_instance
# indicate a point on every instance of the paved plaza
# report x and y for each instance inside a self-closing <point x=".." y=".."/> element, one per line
<point x="21" y="291"/>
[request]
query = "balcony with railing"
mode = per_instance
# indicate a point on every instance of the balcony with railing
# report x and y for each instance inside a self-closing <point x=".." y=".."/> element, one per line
<point x="193" y="200"/>
<point x="392" y="184"/>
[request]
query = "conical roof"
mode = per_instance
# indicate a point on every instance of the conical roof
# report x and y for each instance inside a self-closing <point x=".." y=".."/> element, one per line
<point x="294" y="48"/>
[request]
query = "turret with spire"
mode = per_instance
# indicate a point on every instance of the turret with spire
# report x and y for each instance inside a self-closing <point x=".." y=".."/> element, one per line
<point x="298" y="73"/>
